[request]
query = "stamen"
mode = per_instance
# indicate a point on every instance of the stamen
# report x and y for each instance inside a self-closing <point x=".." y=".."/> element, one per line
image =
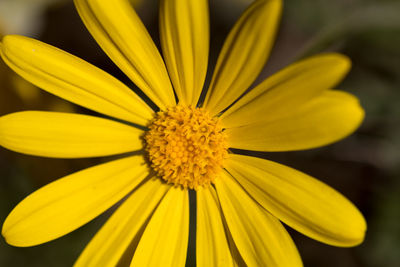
<point x="186" y="146"/>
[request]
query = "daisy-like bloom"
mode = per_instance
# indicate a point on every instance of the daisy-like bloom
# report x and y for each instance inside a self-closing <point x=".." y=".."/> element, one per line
<point x="185" y="145"/>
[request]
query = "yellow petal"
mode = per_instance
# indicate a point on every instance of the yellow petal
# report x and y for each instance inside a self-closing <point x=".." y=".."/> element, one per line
<point x="300" y="201"/>
<point x="165" y="239"/>
<point x="244" y="54"/>
<point x="123" y="227"/>
<point x="73" y="79"/>
<point x="68" y="203"/>
<point x="184" y="30"/>
<point x="260" y="237"/>
<point x="323" y="120"/>
<point x="121" y="34"/>
<point x="212" y="248"/>
<point x="288" y="89"/>
<point x="66" y="135"/>
<point x="236" y="257"/>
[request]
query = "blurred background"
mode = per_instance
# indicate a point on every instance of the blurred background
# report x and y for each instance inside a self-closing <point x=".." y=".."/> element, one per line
<point x="364" y="167"/>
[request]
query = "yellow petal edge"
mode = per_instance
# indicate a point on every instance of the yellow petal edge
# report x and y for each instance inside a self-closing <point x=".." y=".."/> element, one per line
<point x="260" y="238"/>
<point x="184" y="32"/>
<point x="244" y="53"/>
<point x="212" y="248"/>
<point x="164" y="241"/>
<point x="321" y="121"/>
<point x="302" y="202"/>
<point x="123" y="229"/>
<point x="66" y="135"/>
<point x="121" y="34"/>
<point x="73" y="79"/>
<point x="68" y="203"/>
<point x="288" y="89"/>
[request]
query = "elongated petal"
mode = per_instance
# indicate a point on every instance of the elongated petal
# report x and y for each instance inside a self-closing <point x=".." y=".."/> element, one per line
<point x="260" y="237"/>
<point x="212" y="248"/>
<point x="184" y="30"/>
<point x="164" y="242"/>
<point x="324" y="120"/>
<point x="302" y="202"/>
<point x="291" y="87"/>
<point x="66" y="135"/>
<point x="73" y="79"/>
<point x="121" y="34"/>
<point x="116" y="236"/>
<point x="244" y="54"/>
<point x="68" y="203"/>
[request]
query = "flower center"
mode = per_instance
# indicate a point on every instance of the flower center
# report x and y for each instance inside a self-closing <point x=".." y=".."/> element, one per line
<point x="186" y="146"/>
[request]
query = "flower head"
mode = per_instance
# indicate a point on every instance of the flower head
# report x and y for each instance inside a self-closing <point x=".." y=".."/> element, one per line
<point x="240" y="199"/>
<point x="186" y="146"/>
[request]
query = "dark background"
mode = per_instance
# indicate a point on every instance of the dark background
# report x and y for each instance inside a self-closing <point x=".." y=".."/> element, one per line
<point x="364" y="167"/>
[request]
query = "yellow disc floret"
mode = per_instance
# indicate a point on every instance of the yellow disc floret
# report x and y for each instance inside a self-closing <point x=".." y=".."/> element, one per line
<point x="186" y="146"/>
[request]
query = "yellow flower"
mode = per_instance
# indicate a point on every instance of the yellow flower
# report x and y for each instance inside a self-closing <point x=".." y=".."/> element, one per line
<point x="240" y="199"/>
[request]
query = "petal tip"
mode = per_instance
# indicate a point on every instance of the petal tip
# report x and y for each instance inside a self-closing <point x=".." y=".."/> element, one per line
<point x="357" y="236"/>
<point x="360" y="230"/>
<point x="358" y="112"/>
<point x="355" y="231"/>
<point x="341" y="61"/>
<point x="6" y="232"/>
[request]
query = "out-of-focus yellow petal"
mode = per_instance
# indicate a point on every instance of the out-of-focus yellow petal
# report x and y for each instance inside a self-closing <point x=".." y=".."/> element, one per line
<point x="65" y="135"/>
<point x="302" y="202"/>
<point x="73" y="79"/>
<point x="288" y="89"/>
<point x="260" y="237"/>
<point x="212" y="248"/>
<point x="121" y="34"/>
<point x="184" y="31"/>
<point x="124" y="226"/>
<point x="323" y="120"/>
<point x="165" y="239"/>
<point x="244" y="54"/>
<point x="68" y="203"/>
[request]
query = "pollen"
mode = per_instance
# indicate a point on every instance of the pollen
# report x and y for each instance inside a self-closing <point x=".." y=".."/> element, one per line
<point x="186" y="146"/>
